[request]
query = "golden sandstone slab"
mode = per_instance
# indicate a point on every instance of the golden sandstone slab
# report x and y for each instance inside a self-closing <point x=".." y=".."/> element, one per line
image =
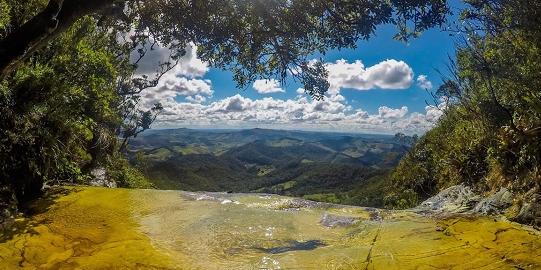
<point x="98" y="228"/>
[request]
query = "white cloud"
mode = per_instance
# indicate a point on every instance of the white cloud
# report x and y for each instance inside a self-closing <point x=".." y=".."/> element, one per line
<point x="301" y="112"/>
<point x="188" y="66"/>
<point x="196" y="99"/>
<point x="185" y="87"/>
<point x="236" y="103"/>
<point x="423" y="82"/>
<point x="388" y="113"/>
<point x="388" y="74"/>
<point x="268" y="86"/>
<point x="184" y="80"/>
<point x="171" y="87"/>
<point x="333" y="113"/>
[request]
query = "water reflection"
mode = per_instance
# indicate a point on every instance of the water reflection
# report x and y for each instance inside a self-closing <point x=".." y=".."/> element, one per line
<point x="292" y="246"/>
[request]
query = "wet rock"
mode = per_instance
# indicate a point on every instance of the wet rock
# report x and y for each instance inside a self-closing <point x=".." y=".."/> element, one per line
<point x="462" y="200"/>
<point x="268" y="263"/>
<point x="100" y="178"/>
<point x="200" y="196"/>
<point x="496" y="203"/>
<point x="162" y="230"/>
<point x="8" y="208"/>
<point x="455" y="199"/>
<point x="374" y="214"/>
<point x="221" y="197"/>
<point x="530" y="211"/>
<point x="332" y="221"/>
<point x="296" y="204"/>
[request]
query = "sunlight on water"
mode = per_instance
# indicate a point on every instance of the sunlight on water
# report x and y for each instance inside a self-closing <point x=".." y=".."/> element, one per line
<point x="95" y="228"/>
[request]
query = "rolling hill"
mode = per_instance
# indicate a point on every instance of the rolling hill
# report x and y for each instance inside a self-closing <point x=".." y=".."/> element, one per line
<point x="333" y="167"/>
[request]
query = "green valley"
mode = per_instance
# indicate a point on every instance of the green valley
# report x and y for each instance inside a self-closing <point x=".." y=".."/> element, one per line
<point x="317" y="165"/>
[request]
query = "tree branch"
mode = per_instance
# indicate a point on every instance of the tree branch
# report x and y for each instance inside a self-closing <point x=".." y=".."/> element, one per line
<point x="53" y="20"/>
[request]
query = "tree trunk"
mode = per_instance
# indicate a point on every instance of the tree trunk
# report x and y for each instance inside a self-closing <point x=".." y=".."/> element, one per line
<point x="53" y="20"/>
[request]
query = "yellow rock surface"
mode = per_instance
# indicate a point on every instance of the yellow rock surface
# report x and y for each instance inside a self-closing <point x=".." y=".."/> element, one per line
<point x="97" y="228"/>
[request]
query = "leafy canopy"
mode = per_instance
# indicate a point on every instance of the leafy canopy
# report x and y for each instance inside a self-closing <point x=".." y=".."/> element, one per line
<point x="490" y="135"/>
<point x="252" y="38"/>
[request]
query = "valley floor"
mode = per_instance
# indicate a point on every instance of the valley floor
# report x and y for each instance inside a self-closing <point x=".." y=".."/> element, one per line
<point x="98" y="228"/>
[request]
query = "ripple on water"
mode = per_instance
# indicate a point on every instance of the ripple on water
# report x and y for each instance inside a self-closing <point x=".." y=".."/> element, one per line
<point x="268" y="263"/>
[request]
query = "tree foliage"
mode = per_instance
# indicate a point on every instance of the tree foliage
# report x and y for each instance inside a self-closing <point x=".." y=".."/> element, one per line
<point x="61" y="111"/>
<point x="69" y="93"/>
<point x="252" y="38"/>
<point x="490" y="136"/>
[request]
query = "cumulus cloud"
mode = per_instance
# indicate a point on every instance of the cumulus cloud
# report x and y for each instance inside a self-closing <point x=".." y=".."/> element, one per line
<point x="388" y="74"/>
<point x="188" y="66"/>
<point x="185" y="96"/>
<point x="236" y="103"/>
<point x="333" y="113"/>
<point x="390" y="113"/>
<point x="185" y="87"/>
<point x="268" y="86"/>
<point x="196" y="99"/>
<point x="423" y="82"/>
<point x="184" y="80"/>
<point x="171" y="87"/>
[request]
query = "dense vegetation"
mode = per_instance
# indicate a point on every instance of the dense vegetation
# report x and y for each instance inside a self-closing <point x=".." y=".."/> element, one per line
<point x="60" y="113"/>
<point x="490" y="135"/>
<point x="69" y="93"/>
<point x="68" y="87"/>
<point x="332" y="167"/>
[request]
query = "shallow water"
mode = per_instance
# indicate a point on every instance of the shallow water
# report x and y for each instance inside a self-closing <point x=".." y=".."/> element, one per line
<point x="96" y="228"/>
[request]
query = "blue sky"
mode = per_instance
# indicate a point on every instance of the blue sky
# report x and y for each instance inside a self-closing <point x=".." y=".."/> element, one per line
<point x="375" y="89"/>
<point x="425" y="55"/>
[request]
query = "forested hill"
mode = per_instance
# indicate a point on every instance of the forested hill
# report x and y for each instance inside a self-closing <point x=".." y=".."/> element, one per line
<point x="317" y="165"/>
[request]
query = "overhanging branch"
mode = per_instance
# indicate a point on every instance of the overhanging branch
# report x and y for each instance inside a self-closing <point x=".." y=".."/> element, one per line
<point x="54" y="19"/>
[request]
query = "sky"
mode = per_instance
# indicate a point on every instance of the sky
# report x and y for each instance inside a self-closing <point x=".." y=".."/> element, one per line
<point x="379" y="87"/>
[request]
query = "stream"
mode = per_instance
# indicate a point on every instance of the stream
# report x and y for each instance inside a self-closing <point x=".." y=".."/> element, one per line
<point x="100" y="228"/>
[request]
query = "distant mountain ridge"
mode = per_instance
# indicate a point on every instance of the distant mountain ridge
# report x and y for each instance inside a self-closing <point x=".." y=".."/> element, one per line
<point x="325" y="166"/>
<point x="254" y="134"/>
